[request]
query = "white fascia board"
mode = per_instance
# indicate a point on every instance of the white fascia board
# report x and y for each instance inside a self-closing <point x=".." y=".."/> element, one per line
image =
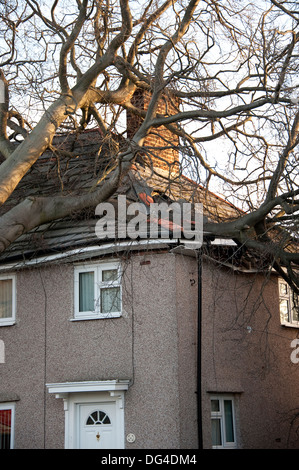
<point x="96" y="250"/>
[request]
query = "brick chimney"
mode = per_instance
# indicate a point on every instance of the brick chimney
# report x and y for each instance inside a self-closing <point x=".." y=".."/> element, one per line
<point x="161" y="145"/>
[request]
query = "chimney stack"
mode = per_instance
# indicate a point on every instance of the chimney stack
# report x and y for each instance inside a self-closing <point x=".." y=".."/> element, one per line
<point x="161" y="145"/>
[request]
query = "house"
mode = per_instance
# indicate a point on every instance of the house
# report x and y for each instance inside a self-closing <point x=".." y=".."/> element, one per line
<point x="145" y="343"/>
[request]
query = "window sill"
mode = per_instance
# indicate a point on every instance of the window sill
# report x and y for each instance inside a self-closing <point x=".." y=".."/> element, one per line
<point x="232" y="446"/>
<point x="290" y="325"/>
<point x="7" y="323"/>
<point x="96" y="317"/>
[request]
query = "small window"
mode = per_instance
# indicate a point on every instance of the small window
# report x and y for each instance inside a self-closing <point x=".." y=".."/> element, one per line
<point x="98" y="291"/>
<point x="6" y="426"/>
<point x="223" y="423"/>
<point x="7" y="300"/>
<point x="288" y="305"/>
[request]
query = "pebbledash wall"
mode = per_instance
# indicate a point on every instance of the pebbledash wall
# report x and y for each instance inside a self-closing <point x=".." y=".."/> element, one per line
<point x="245" y="353"/>
<point x="150" y="344"/>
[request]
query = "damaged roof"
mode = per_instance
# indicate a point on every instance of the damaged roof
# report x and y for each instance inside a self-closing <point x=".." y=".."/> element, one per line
<point x="71" y="166"/>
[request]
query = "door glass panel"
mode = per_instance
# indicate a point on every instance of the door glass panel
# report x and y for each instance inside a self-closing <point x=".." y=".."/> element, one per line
<point x="216" y="432"/>
<point x="228" y="414"/>
<point x="98" y="417"/>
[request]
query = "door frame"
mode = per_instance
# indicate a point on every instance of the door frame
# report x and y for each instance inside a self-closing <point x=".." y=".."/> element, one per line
<point x="74" y="394"/>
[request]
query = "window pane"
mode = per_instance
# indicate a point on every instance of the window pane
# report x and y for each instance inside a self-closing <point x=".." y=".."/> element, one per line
<point x="109" y="275"/>
<point x="5" y="429"/>
<point x="283" y="289"/>
<point x="284" y="310"/>
<point x="296" y="313"/>
<point x="215" y="405"/>
<point x="6" y="298"/>
<point x="228" y="417"/>
<point x="86" y="291"/>
<point x="110" y="300"/>
<point x="295" y="307"/>
<point x="216" y="432"/>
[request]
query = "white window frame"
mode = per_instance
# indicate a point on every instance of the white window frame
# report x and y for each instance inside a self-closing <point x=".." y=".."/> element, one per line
<point x="220" y="415"/>
<point x="287" y="296"/>
<point x="12" y="319"/>
<point x="97" y="269"/>
<point x="10" y="406"/>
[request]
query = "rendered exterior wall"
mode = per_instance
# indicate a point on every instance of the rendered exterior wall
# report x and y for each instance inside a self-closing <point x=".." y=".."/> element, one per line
<point x="154" y="344"/>
<point x="247" y="352"/>
<point x="45" y="346"/>
<point x="156" y="394"/>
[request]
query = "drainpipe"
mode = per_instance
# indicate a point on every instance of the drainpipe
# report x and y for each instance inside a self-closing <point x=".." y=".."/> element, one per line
<point x="199" y="342"/>
<point x="199" y="369"/>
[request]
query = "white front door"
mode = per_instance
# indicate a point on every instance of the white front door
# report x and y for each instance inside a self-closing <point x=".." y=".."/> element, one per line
<point x="97" y="425"/>
<point x="94" y="413"/>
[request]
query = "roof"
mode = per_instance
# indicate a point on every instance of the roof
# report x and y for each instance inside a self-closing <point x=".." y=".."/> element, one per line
<point x="73" y="163"/>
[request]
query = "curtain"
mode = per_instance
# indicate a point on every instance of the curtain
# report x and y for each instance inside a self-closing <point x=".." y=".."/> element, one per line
<point x="216" y="432"/>
<point x="86" y="292"/>
<point x="229" y="427"/>
<point x="5" y="429"/>
<point x="110" y="300"/>
<point x="5" y="298"/>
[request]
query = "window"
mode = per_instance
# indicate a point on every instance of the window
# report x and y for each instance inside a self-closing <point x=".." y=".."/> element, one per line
<point x="7" y="300"/>
<point x="288" y="305"/>
<point x="6" y="426"/>
<point x="223" y="423"/>
<point x="98" y="291"/>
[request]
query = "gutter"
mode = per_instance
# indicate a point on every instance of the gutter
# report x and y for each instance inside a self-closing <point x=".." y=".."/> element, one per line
<point x="91" y="251"/>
